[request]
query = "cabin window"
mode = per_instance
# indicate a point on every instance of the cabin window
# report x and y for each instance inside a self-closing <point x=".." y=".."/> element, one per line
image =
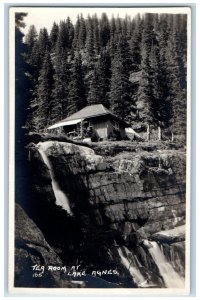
<point x="116" y="125"/>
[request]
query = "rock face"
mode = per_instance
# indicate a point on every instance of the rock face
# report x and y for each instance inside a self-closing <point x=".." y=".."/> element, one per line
<point x="31" y="249"/>
<point x="128" y="188"/>
<point x="117" y="202"/>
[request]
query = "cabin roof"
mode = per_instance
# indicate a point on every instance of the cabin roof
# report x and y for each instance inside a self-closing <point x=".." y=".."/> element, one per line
<point x="90" y="111"/>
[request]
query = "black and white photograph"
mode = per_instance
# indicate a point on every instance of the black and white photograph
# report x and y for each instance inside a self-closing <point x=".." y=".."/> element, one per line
<point x="99" y="187"/>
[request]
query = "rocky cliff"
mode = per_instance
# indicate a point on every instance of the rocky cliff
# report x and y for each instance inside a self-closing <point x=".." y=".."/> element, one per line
<point x="118" y="200"/>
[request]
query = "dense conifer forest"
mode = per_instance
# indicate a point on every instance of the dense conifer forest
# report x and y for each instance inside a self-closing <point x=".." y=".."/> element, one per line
<point x="136" y="67"/>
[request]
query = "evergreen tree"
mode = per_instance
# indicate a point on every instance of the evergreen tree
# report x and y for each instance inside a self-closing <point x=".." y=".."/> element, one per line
<point x="118" y="25"/>
<point x="70" y="30"/>
<point x="76" y="96"/>
<point x="96" y="34"/>
<point x="35" y="60"/>
<point x="154" y="92"/>
<point x="135" y="46"/>
<point x="43" y="42"/>
<point x="22" y="168"/>
<point x="54" y="35"/>
<point x="112" y="27"/>
<point x="63" y="36"/>
<point x="146" y="101"/>
<point x="90" y="38"/>
<point x="120" y="92"/>
<point x="145" y="94"/>
<point x="177" y="70"/>
<point x="126" y="27"/>
<point x="100" y="83"/>
<point x="104" y="30"/>
<point x="75" y="43"/>
<point x="40" y="46"/>
<point x="144" y="97"/>
<point x="30" y="39"/>
<point x="60" y="87"/>
<point x="94" y="94"/>
<point x="161" y="94"/>
<point x="43" y="115"/>
<point x="21" y="81"/>
<point x="124" y="51"/>
<point x="82" y="33"/>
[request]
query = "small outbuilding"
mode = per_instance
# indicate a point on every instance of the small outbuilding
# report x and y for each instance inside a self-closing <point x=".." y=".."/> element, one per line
<point x="94" y="121"/>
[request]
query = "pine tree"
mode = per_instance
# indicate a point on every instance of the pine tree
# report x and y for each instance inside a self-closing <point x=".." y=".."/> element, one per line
<point x="177" y="71"/>
<point x="43" y="114"/>
<point x="96" y="34"/>
<point x="54" y="35"/>
<point x="60" y="86"/>
<point x="82" y="33"/>
<point x="89" y="39"/>
<point x="104" y="30"/>
<point x="40" y="46"/>
<point x="63" y="36"/>
<point x="112" y="27"/>
<point x="118" y="25"/>
<point x="154" y="92"/>
<point x="70" y="30"/>
<point x="21" y="81"/>
<point x="146" y="101"/>
<point x="31" y="38"/>
<point x="43" y="42"/>
<point x="135" y="46"/>
<point x="124" y="51"/>
<point x="76" y="96"/>
<point x="75" y="43"/>
<point x="94" y="93"/>
<point x="22" y="187"/>
<point x="100" y="83"/>
<point x="161" y="94"/>
<point x="35" y="60"/>
<point x="120" y="91"/>
<point x="144" y="97"/>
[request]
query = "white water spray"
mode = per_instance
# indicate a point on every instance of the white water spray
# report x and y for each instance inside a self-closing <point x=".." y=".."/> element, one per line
<point x="171" y="278"/>
<point x="61" y="198"/>
<point x="134" y="271"/>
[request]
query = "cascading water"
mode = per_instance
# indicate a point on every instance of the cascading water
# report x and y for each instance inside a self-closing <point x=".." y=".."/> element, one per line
<point x="171" y="278"/>
<point x="132" y="268"/>
<point x="61" y="198"/>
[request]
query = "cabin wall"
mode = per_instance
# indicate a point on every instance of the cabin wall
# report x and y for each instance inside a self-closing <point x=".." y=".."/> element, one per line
<point x="122" y="132"/>
<point x="111" y="129"/>
<point x="104" y="128"/>
<point x="101" y="128"/>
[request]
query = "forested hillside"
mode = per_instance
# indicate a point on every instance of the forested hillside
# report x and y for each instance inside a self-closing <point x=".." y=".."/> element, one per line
<point x="136" y="67"/>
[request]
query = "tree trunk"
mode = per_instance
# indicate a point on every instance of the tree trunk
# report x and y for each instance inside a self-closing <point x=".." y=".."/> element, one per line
<point x="159" y="133"/>
<point x="148" y="132"/>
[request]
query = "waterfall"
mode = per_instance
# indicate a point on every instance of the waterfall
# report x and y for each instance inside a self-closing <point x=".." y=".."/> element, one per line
<point x="171" y="278"/>
<point x="129" y="263"/>
<point x="61" y="198"/>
